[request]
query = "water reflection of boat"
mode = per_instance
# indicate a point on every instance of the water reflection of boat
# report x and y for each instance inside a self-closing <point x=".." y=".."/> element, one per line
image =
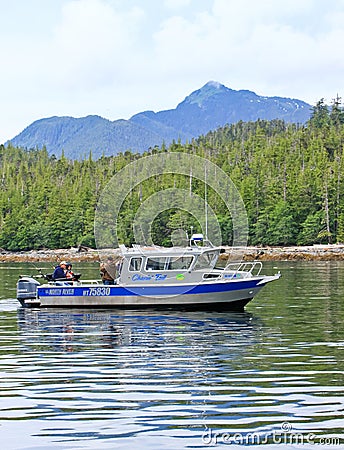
<point x="83" y="330"/>
<point x="154" y="276"/>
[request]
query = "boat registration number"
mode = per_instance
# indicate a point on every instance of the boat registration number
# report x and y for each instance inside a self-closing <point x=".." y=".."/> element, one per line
<point x="97" y="291"/>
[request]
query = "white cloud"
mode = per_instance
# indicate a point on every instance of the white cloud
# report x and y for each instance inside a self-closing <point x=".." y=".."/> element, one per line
<point x="176" y="4"/>
<point x="93" y="43"/>
<point x="81" y="67"/>
<point x="255" y="44"/>
<point x="116" y="57"/>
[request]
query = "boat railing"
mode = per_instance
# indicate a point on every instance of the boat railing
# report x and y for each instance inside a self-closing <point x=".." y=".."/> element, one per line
<point x="245" y="269"/>
<point x="75" y="283"/>
<point x="93" y="281"/>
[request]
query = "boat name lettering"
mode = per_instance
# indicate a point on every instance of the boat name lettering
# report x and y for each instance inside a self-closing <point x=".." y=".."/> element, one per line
<point x="97" y="291"/>
<point x="53" y="291"/>
<point x="160" y="277"/>
<point x="138" y="277"/>
<point x="68" y="291"/>
<point x="156" y="277"/>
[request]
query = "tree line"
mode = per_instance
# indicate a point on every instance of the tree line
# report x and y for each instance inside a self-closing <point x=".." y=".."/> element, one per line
<point x="291" y="179"/>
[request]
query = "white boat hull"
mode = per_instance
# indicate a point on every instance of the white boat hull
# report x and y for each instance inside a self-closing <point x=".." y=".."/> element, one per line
<point x="232" y="294"/>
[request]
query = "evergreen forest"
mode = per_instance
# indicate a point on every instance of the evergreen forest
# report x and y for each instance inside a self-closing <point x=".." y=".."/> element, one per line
<point x="290" y="177"/>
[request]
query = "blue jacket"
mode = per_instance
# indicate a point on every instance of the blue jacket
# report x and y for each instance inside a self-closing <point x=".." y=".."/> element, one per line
<point x="58" y="273"/>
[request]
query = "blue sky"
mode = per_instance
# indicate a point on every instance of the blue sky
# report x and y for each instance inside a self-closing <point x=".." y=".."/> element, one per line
<point x="115" y="58"/>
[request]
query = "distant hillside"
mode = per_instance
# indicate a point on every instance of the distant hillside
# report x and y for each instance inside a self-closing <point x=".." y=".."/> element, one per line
<point x="206" y="109"/>
<point x="77" y="137"/>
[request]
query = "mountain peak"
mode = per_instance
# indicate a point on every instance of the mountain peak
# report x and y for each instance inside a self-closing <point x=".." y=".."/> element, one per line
<point x="208" y="90"/>
<point x="213" y="84"/>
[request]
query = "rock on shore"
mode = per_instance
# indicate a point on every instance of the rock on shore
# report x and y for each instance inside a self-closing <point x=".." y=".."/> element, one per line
<point x="72" y="255"/>
<point x="309" y="253"/>
<point x="304" y="253"/>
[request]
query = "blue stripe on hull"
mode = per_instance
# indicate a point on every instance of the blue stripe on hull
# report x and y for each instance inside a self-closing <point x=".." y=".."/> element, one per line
<point x="143" y="291"/>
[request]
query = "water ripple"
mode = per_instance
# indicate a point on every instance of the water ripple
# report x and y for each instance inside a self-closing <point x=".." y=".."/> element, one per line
<point x="167" y="380"/>
<point x="89" y="380"/>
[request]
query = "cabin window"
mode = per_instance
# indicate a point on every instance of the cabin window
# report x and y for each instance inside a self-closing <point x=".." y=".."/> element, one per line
<point x="135" y="264"/>
<point x="180" y="263"/>
<point x="206" y="260"/>
<point x="169" y="263"/>
<point x="211" y="276"/>
<point x="156" y="263"/>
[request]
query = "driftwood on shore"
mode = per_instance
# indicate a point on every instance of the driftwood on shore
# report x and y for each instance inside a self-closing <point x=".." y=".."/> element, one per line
<point x="309" y="253"/>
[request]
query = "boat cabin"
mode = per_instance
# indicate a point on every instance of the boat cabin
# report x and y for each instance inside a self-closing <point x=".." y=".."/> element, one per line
<point x="153" y="264"/>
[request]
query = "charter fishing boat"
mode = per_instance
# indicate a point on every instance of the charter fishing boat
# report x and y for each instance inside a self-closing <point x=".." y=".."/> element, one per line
<point x="183" y="277"/>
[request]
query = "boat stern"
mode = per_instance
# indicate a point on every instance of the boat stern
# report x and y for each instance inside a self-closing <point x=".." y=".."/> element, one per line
<point x="27" y="290"/>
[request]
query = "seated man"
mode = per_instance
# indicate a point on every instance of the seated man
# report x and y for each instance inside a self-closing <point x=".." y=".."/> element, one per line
<point x="60" y="271"/>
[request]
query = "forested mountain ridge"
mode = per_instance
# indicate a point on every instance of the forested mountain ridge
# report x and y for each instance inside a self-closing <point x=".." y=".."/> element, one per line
<point x="291" y="179"/>
<point x="215" y="105"/>
<point x="212" y="106"/>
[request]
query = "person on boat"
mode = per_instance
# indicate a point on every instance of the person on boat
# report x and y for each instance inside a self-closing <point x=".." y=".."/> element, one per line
<point x="119" y="265"/>
<point x="60" y="271"/>
<point x="108" y="271"/>
<point x="69" y="272"/>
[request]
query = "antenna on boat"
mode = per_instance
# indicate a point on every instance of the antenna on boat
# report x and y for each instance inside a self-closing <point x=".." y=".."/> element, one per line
<point x="206" y="202"/>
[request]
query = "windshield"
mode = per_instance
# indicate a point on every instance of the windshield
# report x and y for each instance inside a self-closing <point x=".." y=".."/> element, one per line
<point x="207" y="260"/>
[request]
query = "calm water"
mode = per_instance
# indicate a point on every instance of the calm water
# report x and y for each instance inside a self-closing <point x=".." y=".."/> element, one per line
<point x="273" y="375"/>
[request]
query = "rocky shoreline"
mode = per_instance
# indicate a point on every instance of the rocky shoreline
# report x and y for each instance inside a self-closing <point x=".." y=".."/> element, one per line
<point x="306" y="253"/>
<point x="72" y="255"/>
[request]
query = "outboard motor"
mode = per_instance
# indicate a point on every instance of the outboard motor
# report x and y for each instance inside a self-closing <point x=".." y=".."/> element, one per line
<point x="27" y="289"/>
